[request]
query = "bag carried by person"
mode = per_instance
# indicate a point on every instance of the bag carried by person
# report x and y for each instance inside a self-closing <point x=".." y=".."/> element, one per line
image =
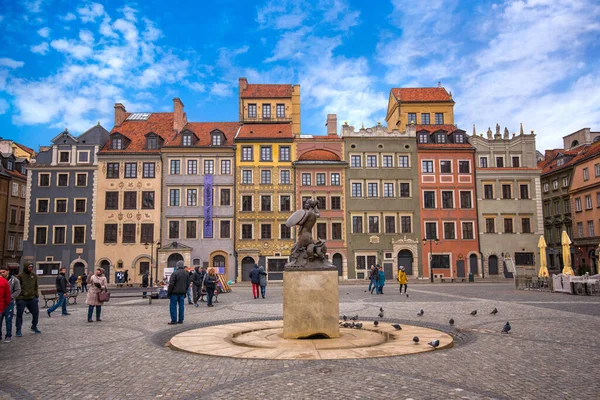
<point x="103" y="296"/>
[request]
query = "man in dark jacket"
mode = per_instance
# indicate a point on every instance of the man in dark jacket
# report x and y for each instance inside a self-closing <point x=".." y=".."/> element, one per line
<point x="145" y="283"/>
<point x="178" y="287"/>
<point x="255" y="279"/>
<point x="197" y="278"/>
<point x="28" y="298"/>
<point x="73" y="283"/>
<point x="84" y="282"/>
<point x="61" y="289"/>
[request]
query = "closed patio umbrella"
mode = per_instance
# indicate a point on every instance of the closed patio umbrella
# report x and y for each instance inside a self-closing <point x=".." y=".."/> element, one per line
<point x="543" y="273"/>
<point x="566" y="253"/>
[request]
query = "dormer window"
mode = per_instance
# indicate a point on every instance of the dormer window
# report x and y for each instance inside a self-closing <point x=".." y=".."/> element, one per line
<point x="440" y="138"/>
<point x="64" y="156"/>
<point x="216" y="139"/>
<point x="186" y="140"/>
<point x="459" y="138"/>
<point x="116" y="143"/>
<point x="560" y="162"/>
<point x="23" y="171"/>
<point x="423" y="137"/>
<point x="152" y="143"/>
<point x="10" y="165"/>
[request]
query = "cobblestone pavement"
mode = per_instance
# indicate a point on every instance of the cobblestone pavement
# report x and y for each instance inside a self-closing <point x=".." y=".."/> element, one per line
<point x="553" y="351"/>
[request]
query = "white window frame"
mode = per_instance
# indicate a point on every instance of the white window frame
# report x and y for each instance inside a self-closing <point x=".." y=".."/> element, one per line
<point x="35" y="235"/>
<point x="226" y="167"/>
<point x="54" y="242"/>
<point x="68" y="152"/>
<point x="75" y="205"/>
<point x="56" y="200"/>
<point x="289" y="176"/>
<point x="444" y="229"/>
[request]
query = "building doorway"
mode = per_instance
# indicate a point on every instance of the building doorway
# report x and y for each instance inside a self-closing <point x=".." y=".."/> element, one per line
<point x="460" y="268"/>
<point x="78" y="268"/>
<point x="493" y="265"/>
<point x="338" y="261"/>
<point x="247" y="265"/>
<point x="405" y="259"/>
<point x="105" y="264"/>
<point x="473" y="264"/>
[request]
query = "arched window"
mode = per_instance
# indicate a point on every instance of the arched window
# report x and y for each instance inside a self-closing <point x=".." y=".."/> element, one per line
<point x="219" y="264"/>
<point x="575" y="143"/>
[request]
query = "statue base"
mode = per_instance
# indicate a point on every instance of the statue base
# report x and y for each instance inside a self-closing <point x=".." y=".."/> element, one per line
<point x="311" y="306"/>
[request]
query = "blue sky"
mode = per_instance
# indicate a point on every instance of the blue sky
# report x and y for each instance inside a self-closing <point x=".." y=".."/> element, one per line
<point x="65" y="64"/>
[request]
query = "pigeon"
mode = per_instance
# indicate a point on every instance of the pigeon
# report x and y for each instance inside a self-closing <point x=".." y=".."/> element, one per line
<point x="347" y="292"/>
<point x="355" y="318"/>
<point x="346" y="325"/>
<point x="474" y="312"/>
<point x="380" y="315"/>
<point x="376" y="323"/>
<point x="451" y="322"/>
<point x="380" y="309"/>
<point x="352" y="325"/>
<point x="345" y="318"/>
<point x="407" y="295"/>
<point x="506" y="328"/>
<point x="434" y="343"/>
<point x="420" y="313"/>
<point x="397" y="327"/>
<point x="416" y="339"/>
<point x="359" y="325"/>
<point x="494" y="311"/>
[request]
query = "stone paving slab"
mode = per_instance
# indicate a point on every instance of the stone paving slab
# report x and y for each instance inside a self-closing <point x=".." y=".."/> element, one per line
<point x="551" y="353"/>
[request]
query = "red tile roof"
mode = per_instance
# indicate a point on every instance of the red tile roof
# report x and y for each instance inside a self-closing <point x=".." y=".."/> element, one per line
<point x="25" y="148"/>
<point x="203" y="129"/>
<point x="421" y="94"/>
<point x="319" y="155"/>
<point x="433" y="128"/>
<point x="426" y="146"/>
<point x="158" y="123"/>
<point x="265" y="131"/>
<point x="262" y="91"/>
<point x="580" y="153"/>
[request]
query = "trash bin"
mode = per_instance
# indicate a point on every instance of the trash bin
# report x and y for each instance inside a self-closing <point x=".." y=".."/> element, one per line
<point x="471" y="277"/>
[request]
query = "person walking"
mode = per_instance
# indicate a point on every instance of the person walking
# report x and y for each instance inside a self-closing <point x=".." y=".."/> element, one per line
<point x="126" y="277"/>
<point x="28" y="298"/>
<point x="197" y="278"/>
<point x="381" y="280"/>
<point x="375" y="278"/>
<point x="263" y="281"/>
<point x="371" y="278"/>
<point x="61" y="290"/>
<point x="210" y="281"/>
<point x="179" y="284"/>
<point x="84" y="279"/>
<point x="145" y="283"/>
<point x="255" y="279"/>
<point x="72" y="282"/>
<point x="7" y="315"/>
<point x="403" y="279"/>
<point x="97" y="284"/>
<point x="189" y="289"/>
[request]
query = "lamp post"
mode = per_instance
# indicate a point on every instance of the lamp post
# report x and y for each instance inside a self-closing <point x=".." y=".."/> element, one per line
<point x="151" y="255"/>
<point x="425" y="240"/>
<point x="158" y="246"/>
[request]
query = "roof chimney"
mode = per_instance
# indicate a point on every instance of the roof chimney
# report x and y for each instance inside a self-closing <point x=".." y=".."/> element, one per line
<point x="120" y="114"/>
<point x="331" y="124"/>
<point x="179" y="117"/>
<point x="243" y="84"/>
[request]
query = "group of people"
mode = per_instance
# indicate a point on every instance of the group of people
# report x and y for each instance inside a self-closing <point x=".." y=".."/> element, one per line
<point x="377" y="279"/>
<point x="258" y="277"/>
<point x="78" y="283"/>
<point x="193" y="284"/>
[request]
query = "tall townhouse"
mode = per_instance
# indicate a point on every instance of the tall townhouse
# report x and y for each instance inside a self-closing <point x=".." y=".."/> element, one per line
<point x="128" y="210"/>
<point x="320" y="174"/>
<point x="509" y="201"/>
<point x="198" y="201"/>
<point x="382" y="203"/>
<point x="60" y="229"/>
<point x="13" y="189"/>
<point x="265" y="150"/>
<point x="584" y="194"/>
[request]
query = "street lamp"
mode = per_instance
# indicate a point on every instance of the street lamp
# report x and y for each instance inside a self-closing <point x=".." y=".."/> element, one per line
<point x="425" y="240"/>
<point x="156" y="259"/>
<point x="158" y="246"/>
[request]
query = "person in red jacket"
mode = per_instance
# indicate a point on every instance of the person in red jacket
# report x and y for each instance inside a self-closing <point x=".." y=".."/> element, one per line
<point x="4" y="295"/>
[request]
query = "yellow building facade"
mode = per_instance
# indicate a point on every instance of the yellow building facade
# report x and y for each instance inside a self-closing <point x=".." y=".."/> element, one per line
<point x="128" y="203"/>
<point x="265" y="184"/>
<point x="419" y="106"/>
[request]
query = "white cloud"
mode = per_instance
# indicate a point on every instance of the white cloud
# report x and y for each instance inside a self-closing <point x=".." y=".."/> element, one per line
<point x="34" y="6"/>
<point x="86" y="36"/>
<point x="41" y="48"/>
<point x="10" y="63"/>
<point x="219" y="89"/>
<point x="69" y="17"/>
<point x="282" y="14"/>
<point x="3" y="106"/>
<point x="78" y="51"/>
<point x="90" y="12"/>
<point x="44" y="32"/>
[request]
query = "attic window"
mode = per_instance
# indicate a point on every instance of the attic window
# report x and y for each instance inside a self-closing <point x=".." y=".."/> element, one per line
<point x="116" y="143"/>
<point x="216" y="139"/>
<point x="560" y="162"/>
<point x="423" y="137"/>
<point x="459" y="138"/>
<point x="64" y="156"/>
<point x="9" y="165"/>
<point x="186" y="140"/>
<point x="138" y="117"/>
<point x="23" y="170"/>
<point x="152" y="142"/>
<point x="441" y="138"/>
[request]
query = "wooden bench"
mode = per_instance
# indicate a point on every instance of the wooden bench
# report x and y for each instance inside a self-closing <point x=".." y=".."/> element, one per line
<point x="128" y="293"/>
<point x="455" y="279"/>
<point x="51" y="295"/>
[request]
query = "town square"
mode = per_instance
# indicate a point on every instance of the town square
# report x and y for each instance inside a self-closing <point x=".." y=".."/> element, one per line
<point x="299" y="199"/>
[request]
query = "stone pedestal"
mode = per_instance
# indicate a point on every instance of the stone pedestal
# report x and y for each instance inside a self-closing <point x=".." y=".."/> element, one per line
<point x="310" y="303"/>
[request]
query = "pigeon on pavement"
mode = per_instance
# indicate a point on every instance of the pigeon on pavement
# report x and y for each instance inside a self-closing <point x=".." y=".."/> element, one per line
<point x="397" y="326"/>
<point x="354" y="318"/>
<point x="346" y="325"/>
<point x="380" y="309"/>
<point x="474" y="312"/>
<point x="416" y="339"/>
<point x="406" y="294"/>
<point x="345" y="318"/>
<point x="376" y="323"/>
<point x="451" y="322"/>
<point x="380" y="315"/>
<point x="359" y="325"/>
<point x="506" y="328"/>
<point x="434" y="343"/>
<point x="420" y="313"/>
<point x="494" y="311"/>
